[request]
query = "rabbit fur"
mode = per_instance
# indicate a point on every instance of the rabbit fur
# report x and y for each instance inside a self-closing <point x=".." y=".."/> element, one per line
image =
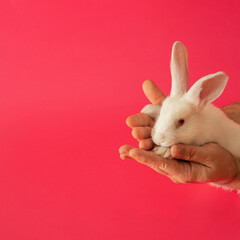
<point x="187" y="116"/>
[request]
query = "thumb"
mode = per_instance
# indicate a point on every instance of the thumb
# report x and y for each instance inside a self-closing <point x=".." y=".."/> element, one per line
<point x="167" y="167"/>
<point x="189" y="153"/>
<point x="152" y="92"/>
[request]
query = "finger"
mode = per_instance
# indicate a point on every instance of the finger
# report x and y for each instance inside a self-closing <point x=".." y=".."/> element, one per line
<point x="125" y="157"/>
<point x="124" y="152"/>
<point x="139" y="120"/>
<point x="124" y="149"/>
<point x="149" y="159"/>
<point x="190" y="153"/>
<point x="146" y="144"/>
<point x="152" y="92"/>
<point x="177" y="171"/>
<point x="140" y="133"/>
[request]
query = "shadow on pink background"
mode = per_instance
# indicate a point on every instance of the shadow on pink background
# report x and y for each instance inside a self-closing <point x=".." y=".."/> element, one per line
<point x="71" y="72"/>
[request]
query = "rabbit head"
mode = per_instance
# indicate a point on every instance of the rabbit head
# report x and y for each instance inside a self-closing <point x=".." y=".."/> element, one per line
<point x="182" y="113"/>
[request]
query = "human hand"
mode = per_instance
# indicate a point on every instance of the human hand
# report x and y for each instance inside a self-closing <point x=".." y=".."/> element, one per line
<point x="192" y="164"/>
<point x="140" y="123"/>
<point x="197" y="164"/>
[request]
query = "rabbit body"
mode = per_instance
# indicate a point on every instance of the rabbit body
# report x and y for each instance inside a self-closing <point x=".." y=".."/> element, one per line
<point x="218" y="128"/>
<point x="187" y="116"/>
<point x="208" y="125"/>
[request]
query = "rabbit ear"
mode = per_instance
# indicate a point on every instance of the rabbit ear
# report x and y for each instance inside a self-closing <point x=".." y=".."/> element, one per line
<point x="207" y="89"/>
<point x="179" y="69"/>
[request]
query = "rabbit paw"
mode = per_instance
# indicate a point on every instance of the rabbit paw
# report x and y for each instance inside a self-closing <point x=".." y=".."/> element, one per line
<point x="151" y="110"/>
<point x="163" y="152"/>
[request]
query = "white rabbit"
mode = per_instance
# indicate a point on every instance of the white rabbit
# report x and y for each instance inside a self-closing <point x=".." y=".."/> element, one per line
<point x="188" y="116"/>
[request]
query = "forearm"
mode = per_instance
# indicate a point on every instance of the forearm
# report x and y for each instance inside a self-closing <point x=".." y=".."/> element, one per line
<point x="233" y="111"/>
<point x="235" y="183"/>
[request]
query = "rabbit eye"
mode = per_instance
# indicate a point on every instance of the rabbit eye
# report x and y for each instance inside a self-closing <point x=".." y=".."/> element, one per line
<point x="180" y="122"/>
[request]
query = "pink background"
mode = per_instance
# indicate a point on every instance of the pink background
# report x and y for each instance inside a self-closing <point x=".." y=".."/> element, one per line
<point x="71" y="72"/>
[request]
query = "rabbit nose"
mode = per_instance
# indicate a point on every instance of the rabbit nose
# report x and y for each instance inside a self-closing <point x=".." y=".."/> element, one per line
<point x="162" y="136"/>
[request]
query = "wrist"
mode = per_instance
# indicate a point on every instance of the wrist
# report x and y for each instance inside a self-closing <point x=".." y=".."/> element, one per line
<point x="232" y="111"/>
<point x="235" y="183"/>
